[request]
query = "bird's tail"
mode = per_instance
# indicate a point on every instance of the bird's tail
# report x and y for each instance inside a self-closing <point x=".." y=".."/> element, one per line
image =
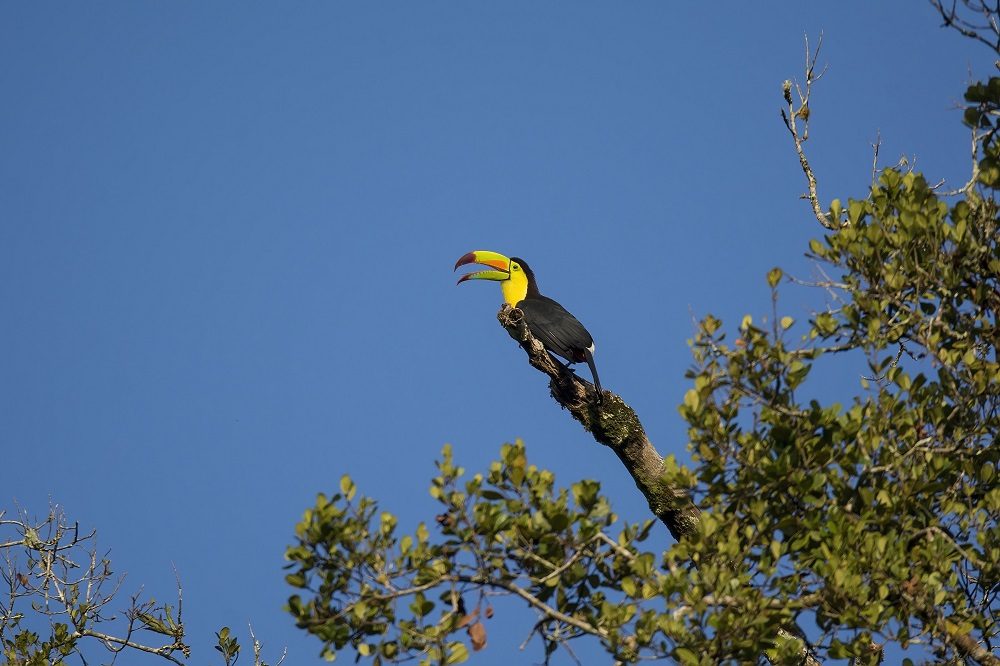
<point x="593" y="372"/>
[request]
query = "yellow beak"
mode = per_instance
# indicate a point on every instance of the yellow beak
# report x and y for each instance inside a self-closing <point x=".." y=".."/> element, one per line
<point x="486" y="258"/>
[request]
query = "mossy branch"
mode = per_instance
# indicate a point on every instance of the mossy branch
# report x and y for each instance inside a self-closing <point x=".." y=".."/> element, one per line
<point x="613" y="424"/>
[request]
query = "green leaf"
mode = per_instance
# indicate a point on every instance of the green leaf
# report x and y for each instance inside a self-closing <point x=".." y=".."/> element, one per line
<point x="692" y="400"/>
<point x="420" y="605"/>
<point x="347" y="487"/>
<point x="457" y="653"/>
<point x="836" y="208"/>
<point x="774" y="277"/>
<point x="686" y="656"/>
<point x="154" y="624"/>
<point x="855" y="209"/>
<point x="825" y="323"/>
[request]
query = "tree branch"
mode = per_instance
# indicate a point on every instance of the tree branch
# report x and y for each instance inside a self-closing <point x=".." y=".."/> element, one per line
<point x="948" y="629"/>
<point x="987" y="33"/>
<point x="790" y="115"/>
<point x="613" y="424"/>
<point x="536" y="603"/>
<point x="111" y="641"/>
<point x="967" y="644"/>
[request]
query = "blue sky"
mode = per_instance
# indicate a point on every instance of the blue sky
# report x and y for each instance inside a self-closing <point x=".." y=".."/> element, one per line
<point x="227" y="233"/>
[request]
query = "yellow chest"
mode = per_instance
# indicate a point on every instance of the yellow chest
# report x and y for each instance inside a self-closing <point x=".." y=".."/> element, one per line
<point x="514" y="290"/>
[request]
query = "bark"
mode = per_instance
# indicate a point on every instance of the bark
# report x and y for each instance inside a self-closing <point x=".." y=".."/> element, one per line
<point x="613" y="424"/>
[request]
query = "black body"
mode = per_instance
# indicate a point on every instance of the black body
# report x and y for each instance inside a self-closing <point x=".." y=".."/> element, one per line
<point x="559" y="331"/>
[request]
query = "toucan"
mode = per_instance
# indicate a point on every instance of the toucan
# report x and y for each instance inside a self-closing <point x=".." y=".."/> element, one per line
<point x="558" y="331"/>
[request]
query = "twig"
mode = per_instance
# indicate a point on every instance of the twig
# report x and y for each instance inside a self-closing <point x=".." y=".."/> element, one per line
<point x="618" y="548"/>
<point x="895" y="362"/>
<point x="826" y="284"/>
<point x="258" y="646"/>
<point x="532" y="600"/>
<point x="965" y="189"/>
<point x="534" y="630"/>
<point x="875" y="148"/>
<point x="789" y="116"/>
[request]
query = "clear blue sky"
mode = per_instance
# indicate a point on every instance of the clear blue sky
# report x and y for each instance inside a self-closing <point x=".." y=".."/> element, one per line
<point x="227" y="233"/>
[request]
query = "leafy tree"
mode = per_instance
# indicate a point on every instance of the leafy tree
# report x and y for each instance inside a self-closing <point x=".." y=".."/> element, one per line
<point x="60" y="602"/>
<point x="805" y="531"/>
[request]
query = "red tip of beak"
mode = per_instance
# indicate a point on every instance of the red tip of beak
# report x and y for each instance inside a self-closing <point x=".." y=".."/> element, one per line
<point x="468" y="258"/>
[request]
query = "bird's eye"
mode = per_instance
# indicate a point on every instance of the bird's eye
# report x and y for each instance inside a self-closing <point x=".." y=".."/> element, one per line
<point x="515" y="267"/>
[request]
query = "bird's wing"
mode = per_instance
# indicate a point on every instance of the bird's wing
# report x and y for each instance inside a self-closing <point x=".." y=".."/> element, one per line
<point x="559" y="331"/>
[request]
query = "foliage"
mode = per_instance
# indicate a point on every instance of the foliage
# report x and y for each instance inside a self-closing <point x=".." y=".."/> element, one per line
<point x="511" y="531"/>
<point x="877" y="519"/>
<point x="59" y="602"/>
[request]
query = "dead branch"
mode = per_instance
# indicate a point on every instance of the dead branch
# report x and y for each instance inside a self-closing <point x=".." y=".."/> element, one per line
<point x="984" y="29"/>
<point x="791" y="115"/>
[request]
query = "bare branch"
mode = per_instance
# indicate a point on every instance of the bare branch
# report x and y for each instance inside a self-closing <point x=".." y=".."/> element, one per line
<point x="875" y="148"/>
<point x="791" y="115"/>
<point x="987" y="32"/>
<point x="258" y="648"/>
<point x="115" y="644"/>
<point x="965" y="189"/>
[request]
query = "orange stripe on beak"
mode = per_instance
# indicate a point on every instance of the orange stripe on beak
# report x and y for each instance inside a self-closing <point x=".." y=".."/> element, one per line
<point x="486" y="258"/>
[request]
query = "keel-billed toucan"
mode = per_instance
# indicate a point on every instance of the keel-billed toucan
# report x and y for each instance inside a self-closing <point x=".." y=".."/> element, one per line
<point x="557" y="330"/>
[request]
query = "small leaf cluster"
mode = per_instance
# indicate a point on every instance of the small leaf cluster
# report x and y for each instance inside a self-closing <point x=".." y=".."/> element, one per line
<point x="28" y="648"/>
<point x="227" y="645"/>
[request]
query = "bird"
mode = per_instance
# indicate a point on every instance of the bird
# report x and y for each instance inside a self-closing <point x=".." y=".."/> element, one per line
<point x="559" y="331"/>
